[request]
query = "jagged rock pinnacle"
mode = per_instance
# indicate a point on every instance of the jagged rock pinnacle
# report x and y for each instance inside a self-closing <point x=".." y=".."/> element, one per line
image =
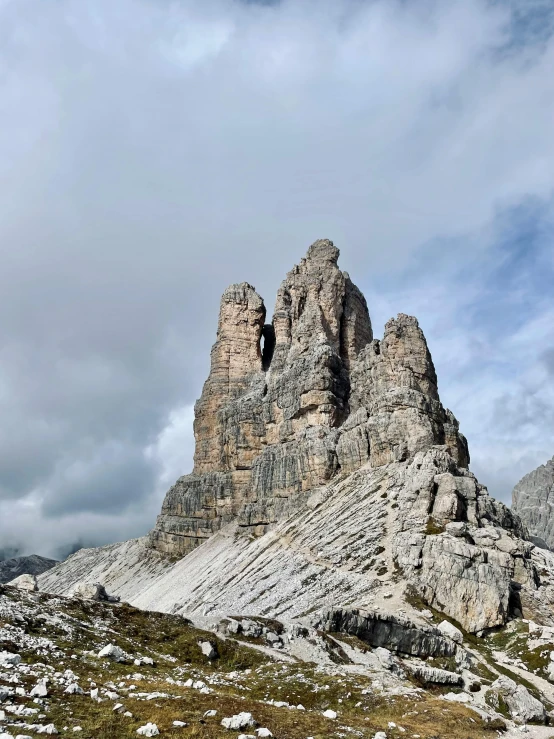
<point x="324" y="250"/>
<point x="324" y="400"/>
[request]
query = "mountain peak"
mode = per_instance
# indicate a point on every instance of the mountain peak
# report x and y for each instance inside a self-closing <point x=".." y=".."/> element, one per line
<point x="323" y="250"/>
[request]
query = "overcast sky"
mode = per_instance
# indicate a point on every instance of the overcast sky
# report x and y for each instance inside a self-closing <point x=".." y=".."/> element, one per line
<point x="152" y="152"/>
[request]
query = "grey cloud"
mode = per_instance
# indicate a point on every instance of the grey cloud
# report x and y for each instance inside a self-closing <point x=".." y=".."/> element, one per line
<point x="152" y="153"/>
<point x="110" y="480"/>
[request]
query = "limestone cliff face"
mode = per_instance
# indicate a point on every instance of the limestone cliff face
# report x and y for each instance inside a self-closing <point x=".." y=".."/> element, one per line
<point x="320" y="400"/>
<point x="533" y="501"/>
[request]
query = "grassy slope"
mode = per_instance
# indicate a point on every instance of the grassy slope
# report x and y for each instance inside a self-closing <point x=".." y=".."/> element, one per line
<point x="242" y="679"/>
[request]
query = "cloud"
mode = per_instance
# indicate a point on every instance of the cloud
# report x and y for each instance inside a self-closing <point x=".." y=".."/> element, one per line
<point x="152" y="153"/>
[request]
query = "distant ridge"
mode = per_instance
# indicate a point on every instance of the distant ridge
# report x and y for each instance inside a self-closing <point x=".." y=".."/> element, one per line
<point x="31" y="565"/>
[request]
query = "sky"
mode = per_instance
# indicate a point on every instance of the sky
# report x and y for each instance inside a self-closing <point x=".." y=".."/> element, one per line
<point x="154" y="151"/>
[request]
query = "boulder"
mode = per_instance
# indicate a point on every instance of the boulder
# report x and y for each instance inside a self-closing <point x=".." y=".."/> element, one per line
<point x="148" y="729"/>
<point x="93" y="591"/>
<point x="523" y="707"/>
<point x="241" y="720"/>
<point x="385" y="657"/>
<point x="9" y="658"/>
<point x="113" y="653"/>
<point x="448" y="629"/>
<point x="40" y="690"/>
<point x="25" y="582"/>
<point x="430" y="675"/>
<point x="208" y="649"/>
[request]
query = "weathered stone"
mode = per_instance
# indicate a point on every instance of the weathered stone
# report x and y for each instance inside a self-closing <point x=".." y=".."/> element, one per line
<point x="243" y="720"/>
<point x="449" y="630"/>
<point x="113" y="653"/>
<point x="208" y="649"/>
<point x="9" y="658"/>
<point x="395" y="381"/>
<point x="148" y="729"/>
<point x="533" y="501"/>
<point x="385" y="657"/>
<point x="385" y="630"/>
<point x="267" y="424"/>
<point x="469" y="578"/>
<point x="25" y="582"/>
<point x="522" y="705"/>
<point x="93" y="591"/>
<point x="428" y="674"/>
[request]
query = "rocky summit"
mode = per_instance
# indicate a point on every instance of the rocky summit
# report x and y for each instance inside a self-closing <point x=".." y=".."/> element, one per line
<point x="331" y="494"/>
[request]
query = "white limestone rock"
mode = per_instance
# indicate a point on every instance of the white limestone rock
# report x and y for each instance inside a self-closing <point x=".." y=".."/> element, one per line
<point x="243" y="720"/>
<point x="148" y="729"/>
<point x="385" y="657"/>
<point x="93" y="591"/>
<point x="9" y="658"/>
<point x="74" y="689"/>
<point x="208" y="650"/>
<point x="448" y="629"/>
<point x="26" y="582"/>
<point x="433" y="675"/>
<point x="522" y="705"/>
<point x="113" y="653"/>
<point x="40" y="690"/>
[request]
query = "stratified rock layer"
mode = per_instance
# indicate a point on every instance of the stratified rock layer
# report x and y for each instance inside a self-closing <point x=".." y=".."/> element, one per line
<point x="322" y="399"/>
<point x="533" y="501"/>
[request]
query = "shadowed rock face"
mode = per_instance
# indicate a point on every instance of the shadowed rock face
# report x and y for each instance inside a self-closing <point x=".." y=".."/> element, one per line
<point x="322" y="400"/>
<point x="533" y="501"/>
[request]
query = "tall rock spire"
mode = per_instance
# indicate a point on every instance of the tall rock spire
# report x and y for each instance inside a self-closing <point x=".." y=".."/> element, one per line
<point x="235" y="359"/>
<point x="323" y="400"/>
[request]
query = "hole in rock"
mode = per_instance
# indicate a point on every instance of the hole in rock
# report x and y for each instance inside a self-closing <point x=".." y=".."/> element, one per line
<point x="267" y="345"/>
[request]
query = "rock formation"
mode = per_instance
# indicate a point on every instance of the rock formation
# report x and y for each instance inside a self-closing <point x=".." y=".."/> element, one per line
<point x="327" y="475"/>
<point x="322" y="399"/>
<point x="533" y="501"/>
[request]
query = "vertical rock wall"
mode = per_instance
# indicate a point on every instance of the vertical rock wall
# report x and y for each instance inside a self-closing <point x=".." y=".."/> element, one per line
<point x="325" y="400"/>
<point x="533" y="501"/>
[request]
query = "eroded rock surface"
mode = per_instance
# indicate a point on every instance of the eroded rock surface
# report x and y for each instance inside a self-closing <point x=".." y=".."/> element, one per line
<point x="321" y="399"/>
<point x="533" y="501"/>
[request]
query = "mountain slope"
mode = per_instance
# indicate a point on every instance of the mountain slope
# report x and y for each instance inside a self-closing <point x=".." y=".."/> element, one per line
<point x="31" y="565"/>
